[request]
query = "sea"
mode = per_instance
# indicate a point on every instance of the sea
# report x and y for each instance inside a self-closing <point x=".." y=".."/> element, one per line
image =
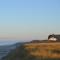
<point x="6" y="47"/>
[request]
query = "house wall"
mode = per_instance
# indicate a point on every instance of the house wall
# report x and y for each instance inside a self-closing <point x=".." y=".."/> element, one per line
<point x="52" y="39"/>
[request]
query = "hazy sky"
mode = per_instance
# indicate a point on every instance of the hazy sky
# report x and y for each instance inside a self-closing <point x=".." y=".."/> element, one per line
<point x="29" y="19"/>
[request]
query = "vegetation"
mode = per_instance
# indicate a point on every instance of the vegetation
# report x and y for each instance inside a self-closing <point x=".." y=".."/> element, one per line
<point x="35" y="51"/>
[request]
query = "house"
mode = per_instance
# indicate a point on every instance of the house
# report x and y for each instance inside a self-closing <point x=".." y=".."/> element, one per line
<point x="54" y="37"/>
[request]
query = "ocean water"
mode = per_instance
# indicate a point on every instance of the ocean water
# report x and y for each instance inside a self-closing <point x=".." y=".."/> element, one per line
<point x="7" y="45"/>
<point x="5" y="48"/>
<point x="7" y="42"/>
<point x="3" y="52"/>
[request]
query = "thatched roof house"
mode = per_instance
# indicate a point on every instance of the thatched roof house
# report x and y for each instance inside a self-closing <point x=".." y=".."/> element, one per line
<point x="54" y="37"/>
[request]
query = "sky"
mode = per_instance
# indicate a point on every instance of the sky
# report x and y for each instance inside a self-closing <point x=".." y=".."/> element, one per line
<point x="29" y="19"/>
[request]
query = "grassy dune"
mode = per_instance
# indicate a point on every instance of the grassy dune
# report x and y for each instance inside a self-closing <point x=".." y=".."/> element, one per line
<point x="45" y="50"/>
